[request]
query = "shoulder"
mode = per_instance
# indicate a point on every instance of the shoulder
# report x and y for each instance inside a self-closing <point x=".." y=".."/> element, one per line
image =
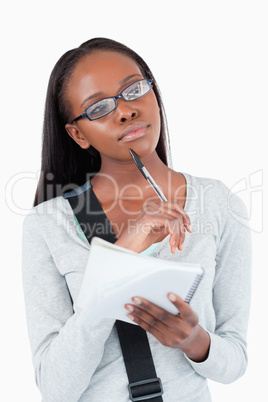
<point x="214" y="192"/>
<point x="57" y="206"/>
<point x="51" y="213"/>
<point x="213" y="201"/>
<point x="205" y="185"/>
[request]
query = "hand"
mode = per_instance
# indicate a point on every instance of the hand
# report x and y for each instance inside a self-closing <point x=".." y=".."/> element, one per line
<point x="181" y="331"/>
<point x="156" y="220"/>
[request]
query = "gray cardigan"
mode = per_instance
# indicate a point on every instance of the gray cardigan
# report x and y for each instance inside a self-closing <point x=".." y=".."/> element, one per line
<point x="85" y="364"/>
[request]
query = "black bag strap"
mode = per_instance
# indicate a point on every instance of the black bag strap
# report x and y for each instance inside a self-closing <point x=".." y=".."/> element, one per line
<point x="143" y="382"/>
<point x="138" y="359"/>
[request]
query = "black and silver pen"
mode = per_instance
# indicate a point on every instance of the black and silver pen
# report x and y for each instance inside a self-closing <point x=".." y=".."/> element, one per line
<point x="147" y="175"/>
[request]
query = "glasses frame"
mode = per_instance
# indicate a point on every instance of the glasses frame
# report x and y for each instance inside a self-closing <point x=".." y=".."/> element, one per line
<point x="115" y="99"/>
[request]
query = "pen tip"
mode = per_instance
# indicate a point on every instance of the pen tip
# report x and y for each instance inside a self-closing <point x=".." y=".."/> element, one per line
<point x="134" y="155"/>
<point x="136" y="159"/>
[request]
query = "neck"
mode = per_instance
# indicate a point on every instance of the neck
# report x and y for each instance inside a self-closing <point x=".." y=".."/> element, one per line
<point x="123" y="173"/>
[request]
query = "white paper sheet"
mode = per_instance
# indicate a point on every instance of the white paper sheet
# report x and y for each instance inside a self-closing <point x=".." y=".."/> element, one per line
<point x="114" y="275"/>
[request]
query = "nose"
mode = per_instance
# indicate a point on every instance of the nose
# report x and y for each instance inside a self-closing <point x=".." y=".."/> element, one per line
<point x="125" y="111"/>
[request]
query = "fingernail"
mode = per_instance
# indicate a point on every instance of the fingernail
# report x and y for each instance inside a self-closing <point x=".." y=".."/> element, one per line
<point x="136" y="300"/>
<point x="129" y="308"/>
<point x="130" y="316"/>
<point x="172" y="297"/>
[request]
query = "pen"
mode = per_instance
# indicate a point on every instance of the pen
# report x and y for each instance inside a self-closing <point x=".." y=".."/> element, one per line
<point x="147" y="175"/>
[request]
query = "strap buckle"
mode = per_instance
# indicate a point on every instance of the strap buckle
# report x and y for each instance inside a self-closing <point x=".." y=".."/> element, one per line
<point x="145" y="389"/>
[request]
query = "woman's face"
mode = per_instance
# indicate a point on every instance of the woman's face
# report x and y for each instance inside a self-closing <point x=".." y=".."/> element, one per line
<point x="134" y="124"/>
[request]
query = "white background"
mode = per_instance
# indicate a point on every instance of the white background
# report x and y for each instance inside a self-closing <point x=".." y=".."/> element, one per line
<point x="210" y="61"/>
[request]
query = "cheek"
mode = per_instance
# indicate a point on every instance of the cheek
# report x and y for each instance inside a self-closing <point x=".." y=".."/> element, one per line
<point x="156" y="119"/>
<point x="155" y="110"/>
<point x="99" y="136"/>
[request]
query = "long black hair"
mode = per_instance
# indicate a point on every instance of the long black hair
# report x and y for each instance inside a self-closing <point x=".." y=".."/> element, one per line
<point x="65" y="164"/>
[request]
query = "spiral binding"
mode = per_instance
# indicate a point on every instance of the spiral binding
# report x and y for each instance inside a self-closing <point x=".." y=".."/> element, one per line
<point x="193" y="288"/>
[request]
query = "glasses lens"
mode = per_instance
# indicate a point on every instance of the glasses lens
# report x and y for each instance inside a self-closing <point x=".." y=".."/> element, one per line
<point x="136" y="90"/>
<point x="101" y="108"/>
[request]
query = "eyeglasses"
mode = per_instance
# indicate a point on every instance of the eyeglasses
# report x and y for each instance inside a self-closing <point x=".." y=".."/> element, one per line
<point x="105" y="106"/>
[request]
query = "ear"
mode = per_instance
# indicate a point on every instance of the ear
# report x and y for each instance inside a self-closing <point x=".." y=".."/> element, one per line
<point x="76" y="135"/>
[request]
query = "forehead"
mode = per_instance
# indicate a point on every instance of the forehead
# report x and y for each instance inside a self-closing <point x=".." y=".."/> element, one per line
<point x="101" y="70"/>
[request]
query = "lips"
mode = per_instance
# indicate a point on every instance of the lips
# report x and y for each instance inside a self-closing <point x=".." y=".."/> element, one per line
<point x="133" y="131"/>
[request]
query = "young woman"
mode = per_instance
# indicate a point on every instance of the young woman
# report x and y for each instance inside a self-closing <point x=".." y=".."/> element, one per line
<point x="103" y="100"/>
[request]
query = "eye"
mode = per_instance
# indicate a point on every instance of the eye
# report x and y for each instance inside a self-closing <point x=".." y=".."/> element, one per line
<point x="100" y="108"/>
<point x="136" y="90"/>
<point x="133" y="92"/>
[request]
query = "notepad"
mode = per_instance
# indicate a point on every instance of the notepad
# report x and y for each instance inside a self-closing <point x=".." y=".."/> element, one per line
<point x="115" y="274"/>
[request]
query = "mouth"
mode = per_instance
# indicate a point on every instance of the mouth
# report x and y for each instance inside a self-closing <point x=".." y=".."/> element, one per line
<point x="133" y="132"/>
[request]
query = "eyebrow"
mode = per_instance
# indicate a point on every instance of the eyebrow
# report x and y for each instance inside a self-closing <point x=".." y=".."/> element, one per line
<point x="101" y="93"/>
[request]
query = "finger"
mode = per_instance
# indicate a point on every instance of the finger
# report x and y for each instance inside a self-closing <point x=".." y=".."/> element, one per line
<point x="174" y="242"/>
<point x="170" y="209"/>
<point x="186" y="219"/>
<point x="163" y="221"/>
<point x="149" y="311"/>
<point x="177" y="236"/>
<point x="152" y="327"/>
<point x="144" y="319"/>
<point x="176" y="210"/>
<point x="173" y="225"/>
<point x="184" y="308"/>
<point x="182" y="236"/>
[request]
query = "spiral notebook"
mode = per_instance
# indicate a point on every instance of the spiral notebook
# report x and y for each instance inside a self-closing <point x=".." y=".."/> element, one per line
<point x="114" y="275"/>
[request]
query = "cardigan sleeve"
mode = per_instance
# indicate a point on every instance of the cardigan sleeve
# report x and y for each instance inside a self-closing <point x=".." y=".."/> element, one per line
<point x="65" y="355"/>
<point x="227" y="360"/>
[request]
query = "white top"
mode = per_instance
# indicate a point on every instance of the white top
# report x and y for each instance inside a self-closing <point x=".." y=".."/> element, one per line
<point x="74" y="363"/>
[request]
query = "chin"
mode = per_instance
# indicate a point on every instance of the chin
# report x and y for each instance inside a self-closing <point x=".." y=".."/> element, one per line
<point x="143" y="148"/>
